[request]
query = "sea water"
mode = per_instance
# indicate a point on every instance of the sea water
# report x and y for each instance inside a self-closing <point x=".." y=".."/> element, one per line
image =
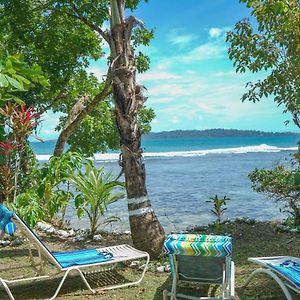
<point x="182" y="174"/>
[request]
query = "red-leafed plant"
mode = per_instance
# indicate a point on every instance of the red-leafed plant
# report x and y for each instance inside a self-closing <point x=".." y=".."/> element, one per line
<point x="19" y="122"/>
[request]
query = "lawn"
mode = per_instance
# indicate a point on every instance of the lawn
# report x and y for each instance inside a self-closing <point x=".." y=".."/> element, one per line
<point x="259" y="239"/>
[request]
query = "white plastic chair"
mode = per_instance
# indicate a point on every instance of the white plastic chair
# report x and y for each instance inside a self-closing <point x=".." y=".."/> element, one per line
<point x="120" y="253"/>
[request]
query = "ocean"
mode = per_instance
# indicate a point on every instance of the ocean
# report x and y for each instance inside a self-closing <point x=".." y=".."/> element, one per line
<point x="183" y="173"/>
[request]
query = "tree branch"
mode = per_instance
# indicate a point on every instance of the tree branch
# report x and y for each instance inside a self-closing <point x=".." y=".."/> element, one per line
<point x="131" y="22"/>
<point x="75" y="118"/>
<point x="77" y="16"/>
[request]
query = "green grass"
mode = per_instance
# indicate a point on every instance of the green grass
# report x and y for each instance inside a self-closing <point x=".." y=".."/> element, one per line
<point x="249" y="240"/>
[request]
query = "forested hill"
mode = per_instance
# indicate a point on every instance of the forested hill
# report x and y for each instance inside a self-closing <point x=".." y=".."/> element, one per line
<point x="215" y="133"/>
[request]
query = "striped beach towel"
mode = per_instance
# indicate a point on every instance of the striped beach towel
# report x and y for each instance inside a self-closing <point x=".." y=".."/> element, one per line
<point x="289" y="269"/>
<point x="81" y="257"/>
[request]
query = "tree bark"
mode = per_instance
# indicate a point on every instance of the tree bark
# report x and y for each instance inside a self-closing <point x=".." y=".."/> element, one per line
<point x="76" y="116"/>
<point x="147" y="233"/>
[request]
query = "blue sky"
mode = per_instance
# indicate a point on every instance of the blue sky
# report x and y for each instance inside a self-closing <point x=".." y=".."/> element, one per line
<point x="192" y="83"/>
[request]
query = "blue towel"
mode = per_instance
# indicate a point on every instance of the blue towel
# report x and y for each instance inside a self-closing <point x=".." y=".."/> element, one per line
<point x="81" y="257"/>
<point x="6" y="224"/>
<point x="290" y="269"/>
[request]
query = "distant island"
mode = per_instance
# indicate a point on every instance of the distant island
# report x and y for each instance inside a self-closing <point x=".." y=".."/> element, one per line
<point x="211" y="133"/>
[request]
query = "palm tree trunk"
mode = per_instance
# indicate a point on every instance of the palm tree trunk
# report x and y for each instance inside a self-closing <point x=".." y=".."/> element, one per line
<point x="147" y="233"/>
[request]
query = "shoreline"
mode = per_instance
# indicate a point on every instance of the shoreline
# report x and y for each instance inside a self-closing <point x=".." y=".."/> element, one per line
<point x="81" y="234"/>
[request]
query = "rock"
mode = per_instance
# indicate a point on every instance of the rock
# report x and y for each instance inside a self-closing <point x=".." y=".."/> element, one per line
<point x="190" y="228"/>
<point x="97" y="238"/>
<point x="44" y="226"/>
<point x="62" y="233"/>
<point x="134" y="264"/>
<point x="4" y="243"/>
<point x="167" y="268"/>
<point x="72" y="232"/>
<point x="128" y="232"/>
<point x="16" y="242"/>
<point x="160" y="269"/>
<point x="81" y="238"/>
<point x="50" y="230"/>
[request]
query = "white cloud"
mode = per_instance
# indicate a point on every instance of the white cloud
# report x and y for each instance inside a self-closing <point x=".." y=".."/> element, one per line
<point x="206" y="51"/>
<point x="216" y="32"/>
<point x="169" y="89"/>
<point x="182" y="40"/>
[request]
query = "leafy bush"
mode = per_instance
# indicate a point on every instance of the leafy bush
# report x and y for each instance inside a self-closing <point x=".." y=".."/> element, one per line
<point x="281" y="184"/>
<point x="96" y="190"/>
<point x="49" y="195"/>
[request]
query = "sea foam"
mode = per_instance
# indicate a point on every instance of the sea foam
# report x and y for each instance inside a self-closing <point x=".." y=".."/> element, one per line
<point x="237" y="150"/>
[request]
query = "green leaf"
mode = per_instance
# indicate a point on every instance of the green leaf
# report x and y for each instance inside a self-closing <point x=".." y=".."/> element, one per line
<point x="16" y="84"/>
<point x="3" y="81"/>
<point x="21" y="79"/>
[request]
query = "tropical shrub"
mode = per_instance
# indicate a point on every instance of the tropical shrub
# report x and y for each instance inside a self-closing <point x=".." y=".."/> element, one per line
<point x="219" y="207"/>
<point x="50" y="194"/>
<point x="96" y="190"/>
<point x="19" y="123"/>
<point x="282" y="184"/>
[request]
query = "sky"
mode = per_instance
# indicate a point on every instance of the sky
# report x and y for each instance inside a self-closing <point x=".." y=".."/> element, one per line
<point x="192" y="83"/>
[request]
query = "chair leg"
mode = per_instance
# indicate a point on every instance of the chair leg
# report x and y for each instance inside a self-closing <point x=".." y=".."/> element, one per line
<point x="274" y="276"/>
<point x="10" y="295"/>
<point x="165" y="295"/>
<point x="232" y="281"/>
<point x="64" y="278"/>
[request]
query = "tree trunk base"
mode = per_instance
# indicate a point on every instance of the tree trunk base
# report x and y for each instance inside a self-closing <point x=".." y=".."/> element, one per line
<point x="147" y="233"/>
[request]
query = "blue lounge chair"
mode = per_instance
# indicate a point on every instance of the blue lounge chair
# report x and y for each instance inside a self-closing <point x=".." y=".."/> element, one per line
<point x="285" y="270"/>
<point x="105" y="259"/>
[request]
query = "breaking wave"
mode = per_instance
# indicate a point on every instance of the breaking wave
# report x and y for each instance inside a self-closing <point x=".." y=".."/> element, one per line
<point x="191" y="153"/>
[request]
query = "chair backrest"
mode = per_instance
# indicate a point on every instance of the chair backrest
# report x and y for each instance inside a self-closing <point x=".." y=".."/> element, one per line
<point x="201" y="258"/>
<point x="34" y="239"/>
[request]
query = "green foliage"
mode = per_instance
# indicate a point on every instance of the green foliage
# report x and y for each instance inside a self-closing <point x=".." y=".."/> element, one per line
<point x="17" y="76"/>
<point x="49" y="193"/>
<point x="273" y="47"/>
<point x="142" y="62"/>
<point x="219" y="206"/>
<point x="29" y="208"/>
<point x="63" y="45"/>
<point x="281" y="184"/>
<point x="96" y="190"/>
<point x="142" y="36"/>
<point x="97" y="133"/>
<point x="146" y="115"/>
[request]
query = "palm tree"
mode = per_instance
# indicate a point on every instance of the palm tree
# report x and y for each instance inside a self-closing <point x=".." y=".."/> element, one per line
<point x="97" y="189"/>
<point x="146" y="230"/>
